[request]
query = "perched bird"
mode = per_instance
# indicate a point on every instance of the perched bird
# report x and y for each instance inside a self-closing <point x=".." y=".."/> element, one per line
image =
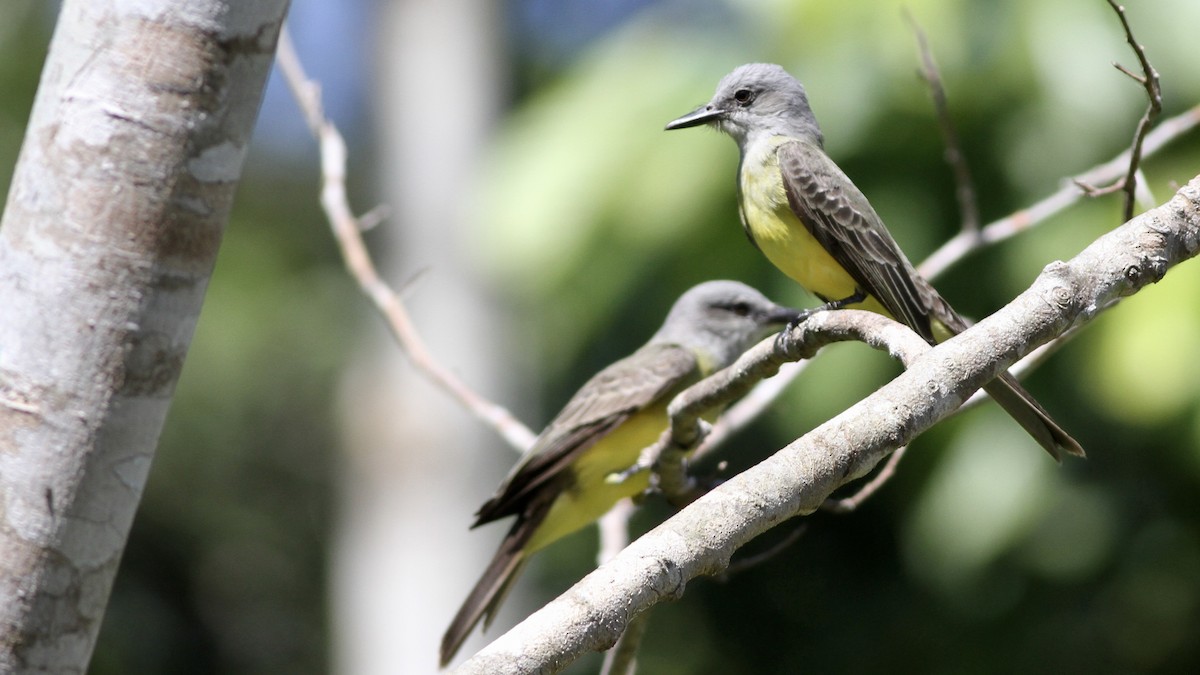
<point x="561" y="484"/>
<point x="816" y="226"/>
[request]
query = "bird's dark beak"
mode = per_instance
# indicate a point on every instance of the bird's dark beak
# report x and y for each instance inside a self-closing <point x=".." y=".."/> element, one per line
<point x="703" y="115"/>
<point x="780" y="314"/>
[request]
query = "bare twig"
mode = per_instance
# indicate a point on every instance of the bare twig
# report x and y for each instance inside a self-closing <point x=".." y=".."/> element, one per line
<point x="614" y="530"/>
<point x="751" y="561"/>
<point x="1149" y="81"/>
<point x="371" y="219"/>
<point x="348" y="231"/>
<point x="748" y="408"/>
<point x="614" y="537"/>
<point x="1145" y="196"/>
<point x="855" y="500"/>
<point x="964" y="186"/>
<point x="622" y="659"/>
<point x="960" y="245"/>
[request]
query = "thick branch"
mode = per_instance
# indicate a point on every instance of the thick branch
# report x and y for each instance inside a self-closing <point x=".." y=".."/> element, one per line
<point x="700" y="539"/>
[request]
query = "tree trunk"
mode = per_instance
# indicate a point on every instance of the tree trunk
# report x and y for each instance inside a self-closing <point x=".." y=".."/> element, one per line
<point x="115" y="213"/>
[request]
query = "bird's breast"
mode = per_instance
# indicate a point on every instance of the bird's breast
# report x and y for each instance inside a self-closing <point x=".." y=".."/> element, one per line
<point x="590" y="494"/>
<point x="779" y="233"/>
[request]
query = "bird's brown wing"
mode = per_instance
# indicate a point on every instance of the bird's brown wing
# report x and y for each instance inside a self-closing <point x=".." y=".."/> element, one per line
<point x="600" y="405"/>
<point x="841" y="219"/>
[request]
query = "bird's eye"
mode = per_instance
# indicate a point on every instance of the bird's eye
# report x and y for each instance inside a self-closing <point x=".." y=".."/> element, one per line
<point x="743" y="96"/>
<point x="740" y="308"/>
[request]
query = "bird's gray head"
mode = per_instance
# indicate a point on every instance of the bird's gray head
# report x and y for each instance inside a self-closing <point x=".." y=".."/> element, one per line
<point x="718" y="320"/>
<point x="756" y="99"/>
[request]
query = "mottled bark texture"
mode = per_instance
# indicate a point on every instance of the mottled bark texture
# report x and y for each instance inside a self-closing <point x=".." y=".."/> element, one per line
<point x="113" y="220"/>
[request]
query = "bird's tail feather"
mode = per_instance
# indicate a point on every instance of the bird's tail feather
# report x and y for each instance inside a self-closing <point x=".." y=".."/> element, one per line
<point x="490" y="590"/>
<point x="1023" y="408"/>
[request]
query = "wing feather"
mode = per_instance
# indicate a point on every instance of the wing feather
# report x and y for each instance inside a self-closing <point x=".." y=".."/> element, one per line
<point x="601" y="405"/>
<point x="841" y="219"/>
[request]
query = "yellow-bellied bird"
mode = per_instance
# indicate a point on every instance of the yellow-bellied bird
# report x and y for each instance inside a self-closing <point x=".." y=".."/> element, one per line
<point x="561" y="484"/>
<point x="816" y="226"/>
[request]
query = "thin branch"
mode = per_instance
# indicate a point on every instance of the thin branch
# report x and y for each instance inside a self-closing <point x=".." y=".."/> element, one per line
<point x="614" y="537"/>
<point x="1150" y="82"/>
<point x="1145" y="196"/>
<point x="614" y="530"/>
<point x="687" y="429"/>
<point x="958" y="247"/>
<point x="748" y="408"/>
<point x="964" y="190"/>
<point x="855" y="500"/>
<point x="751" y="561"/>
<point x="348" y="231"/>
<point x="622" y="659"/>
<point x="371" y="219"/>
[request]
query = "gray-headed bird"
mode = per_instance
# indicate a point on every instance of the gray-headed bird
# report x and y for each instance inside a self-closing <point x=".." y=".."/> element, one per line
<point x="816" y="226"/>
<point x="563" y="482"/>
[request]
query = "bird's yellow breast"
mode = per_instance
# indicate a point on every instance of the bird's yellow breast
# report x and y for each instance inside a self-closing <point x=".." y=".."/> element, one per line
<point x="591" y="495"/>
<point x="778" y="232"/>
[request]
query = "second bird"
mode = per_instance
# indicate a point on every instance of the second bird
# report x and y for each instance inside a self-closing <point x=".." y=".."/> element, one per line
<point x="562" y="484"/>
<point x="815" y="225"/>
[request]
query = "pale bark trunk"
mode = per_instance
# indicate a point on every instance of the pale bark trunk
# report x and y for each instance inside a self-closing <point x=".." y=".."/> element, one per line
<point x="114" y="217"/>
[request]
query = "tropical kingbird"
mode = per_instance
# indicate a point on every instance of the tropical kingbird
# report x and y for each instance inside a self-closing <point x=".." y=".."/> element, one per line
<point x="811" y="221"/>
<point x="562" y="483"/>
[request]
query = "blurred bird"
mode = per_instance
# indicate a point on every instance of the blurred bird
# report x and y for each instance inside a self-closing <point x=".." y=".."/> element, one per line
<point x="561" y="484"/>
